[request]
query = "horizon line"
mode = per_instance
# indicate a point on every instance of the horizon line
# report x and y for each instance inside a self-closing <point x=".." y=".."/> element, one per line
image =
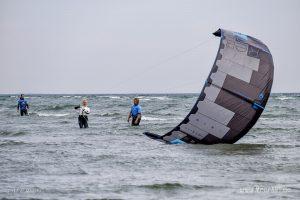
<point x="151" y="93"/>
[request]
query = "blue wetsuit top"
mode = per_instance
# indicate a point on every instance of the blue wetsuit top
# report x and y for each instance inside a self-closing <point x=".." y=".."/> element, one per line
<point x="135" y="110"/>
<point x="22" y="104"/>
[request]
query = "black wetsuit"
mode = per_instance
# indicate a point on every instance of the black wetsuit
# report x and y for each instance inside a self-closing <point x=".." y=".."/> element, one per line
<point x="23" y="112"/>
<point x="133" y="121"/>
<point x="83" y="121"/>
<point x="82" y="118"/>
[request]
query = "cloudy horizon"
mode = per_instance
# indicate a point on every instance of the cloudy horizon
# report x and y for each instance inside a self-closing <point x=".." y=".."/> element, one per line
<point x="135" y="46"/>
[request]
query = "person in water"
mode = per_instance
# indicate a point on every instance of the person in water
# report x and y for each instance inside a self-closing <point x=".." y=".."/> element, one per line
<point x="84" y="111"/>
<point x="135" y="113"/>
<point x="22" y="106"/>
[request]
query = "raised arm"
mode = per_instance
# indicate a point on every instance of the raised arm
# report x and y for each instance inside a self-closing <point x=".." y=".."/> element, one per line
<point x="76" y="107"/>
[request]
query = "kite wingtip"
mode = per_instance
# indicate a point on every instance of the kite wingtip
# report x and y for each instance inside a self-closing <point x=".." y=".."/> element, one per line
<point x="152" y="136"/>
<point x="218" y="33"/>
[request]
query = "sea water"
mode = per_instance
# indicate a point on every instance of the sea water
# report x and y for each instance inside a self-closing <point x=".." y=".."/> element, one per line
<point x="46" y="156"/>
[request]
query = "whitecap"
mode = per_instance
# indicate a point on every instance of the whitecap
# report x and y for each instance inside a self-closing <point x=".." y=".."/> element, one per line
<point x="114" y="97"/>
<point x="163" y="98"/>
<point x="52" y="114"/>
<point x="153" y="119"/>
<point x="33" y="97"/>
<point x="283" y="98"/>
<point x="143" y="98"/>
<point x="146" y="118"/>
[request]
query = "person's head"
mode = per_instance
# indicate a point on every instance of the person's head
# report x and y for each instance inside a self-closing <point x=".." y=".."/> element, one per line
<point x="84" y="102"/>
<point x="136" y="101"/>
<point x="22" y="96"/>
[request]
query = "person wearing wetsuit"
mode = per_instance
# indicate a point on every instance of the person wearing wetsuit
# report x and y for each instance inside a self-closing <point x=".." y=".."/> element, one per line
<point x="135" y="113"/>
<point x="22" y="106"/>
<point x="84" y="110"/>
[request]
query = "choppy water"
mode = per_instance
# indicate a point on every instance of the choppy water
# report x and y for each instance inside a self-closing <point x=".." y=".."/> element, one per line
<point x="47" y="156"/>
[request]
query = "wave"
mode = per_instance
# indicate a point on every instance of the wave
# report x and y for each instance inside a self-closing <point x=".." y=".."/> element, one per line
<point x="284" y="98"/>
<point x="176" y="186"/>
<point x="112" y="97"/>
<point x="163" y="98"/>
<point x="52" y="114"/>
<point x="148" y="98"/>
<point x="154" y="111"/>
<point x="58" y="107"/>
<point x="113" y="114"/>
<point x="12" y="107"/>
<point x="144" y="99"/>
<point x="115" y="97"/>
<point x="26" y="97"/>
<point x="64" y="122"/>
<point x="167" y="114"/>
<point x="153" y="119"/>
<point x="2" y="98"/>
<point x="279" y="116"/>
<point x="165" y="186"/>
<point x="12" y="133"/>
<point x="3" y="109"/>
<point x="159" y="119"/>
<point x="71" y="96"/>
<point x="11" y="142"/>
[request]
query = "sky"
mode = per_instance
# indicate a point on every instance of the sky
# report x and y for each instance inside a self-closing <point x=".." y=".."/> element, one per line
<point x="136" y="46"/>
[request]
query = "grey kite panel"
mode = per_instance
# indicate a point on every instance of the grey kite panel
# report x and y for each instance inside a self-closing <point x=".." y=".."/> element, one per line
<point x="234" y="95"/>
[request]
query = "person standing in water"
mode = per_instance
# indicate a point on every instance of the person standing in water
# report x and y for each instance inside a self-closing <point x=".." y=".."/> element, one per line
<point x="84" y="111"/>
<point x="22" y="106"/>
<point x="135" y="113"/>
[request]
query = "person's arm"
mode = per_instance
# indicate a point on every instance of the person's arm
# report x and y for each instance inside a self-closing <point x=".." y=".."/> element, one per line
<point x="138" y="118"/>
<point x="76" y="107"/>
<point x="18" y="106"/>
<point x="129" y="116"/>
<point x="27" y="105"/>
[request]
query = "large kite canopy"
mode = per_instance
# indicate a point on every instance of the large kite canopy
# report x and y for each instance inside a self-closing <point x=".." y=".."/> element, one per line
<point x="233" y="97"/>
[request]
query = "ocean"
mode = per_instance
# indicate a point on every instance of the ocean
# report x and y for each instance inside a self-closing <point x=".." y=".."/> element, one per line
<point x="46" y="156"/>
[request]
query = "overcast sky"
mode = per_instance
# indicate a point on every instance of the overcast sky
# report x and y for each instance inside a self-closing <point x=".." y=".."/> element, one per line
<point x="114" y="46"/>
